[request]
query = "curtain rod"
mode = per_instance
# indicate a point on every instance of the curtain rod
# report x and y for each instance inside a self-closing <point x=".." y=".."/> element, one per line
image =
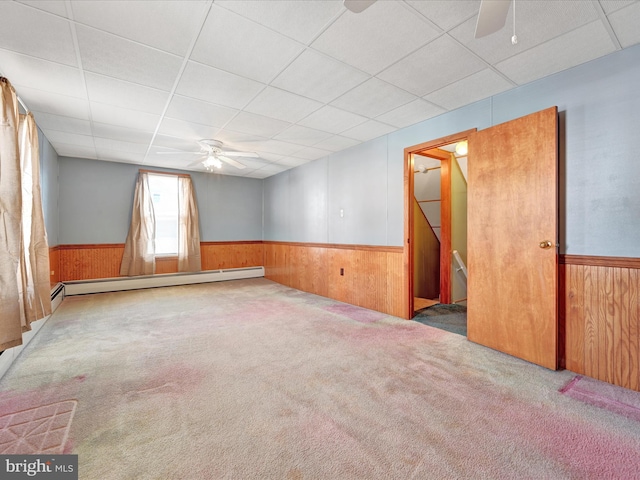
<point x="24" y="106"/>
<point x="26" y="110"/>
<point x="157" y="172"/>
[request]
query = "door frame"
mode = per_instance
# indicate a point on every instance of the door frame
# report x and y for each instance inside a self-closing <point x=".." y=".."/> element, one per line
<point x="445" y="246"/>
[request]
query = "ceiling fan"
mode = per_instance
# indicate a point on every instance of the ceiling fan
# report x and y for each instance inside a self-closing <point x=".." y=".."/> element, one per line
<point x="214" y="155"/>
<point x="491" y="17"/>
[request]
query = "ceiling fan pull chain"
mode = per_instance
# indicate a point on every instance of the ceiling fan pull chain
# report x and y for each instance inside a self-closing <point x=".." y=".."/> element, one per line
<point x="514" y="39"/>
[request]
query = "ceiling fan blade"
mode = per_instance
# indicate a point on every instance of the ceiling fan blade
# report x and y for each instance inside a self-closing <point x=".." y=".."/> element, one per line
<point x="240" y="154"/>
<point x="232" y="162"/>
<point x="357" y="6"/>
<point x="491" y="17"/>
<point x="193" y="164"/>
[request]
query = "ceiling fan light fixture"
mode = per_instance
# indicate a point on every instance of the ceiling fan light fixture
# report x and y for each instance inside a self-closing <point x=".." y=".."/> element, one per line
<point x="212" y="162"/>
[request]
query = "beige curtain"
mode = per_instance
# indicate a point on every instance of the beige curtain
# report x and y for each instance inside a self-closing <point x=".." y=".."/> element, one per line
<point x="10" y="213"/>
<point x="34" y="283"/>
<point x="189" y="228"/>
<point x="139" y="250"/>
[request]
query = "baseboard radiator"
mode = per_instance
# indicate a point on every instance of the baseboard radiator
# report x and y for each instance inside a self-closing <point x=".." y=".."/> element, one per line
<point x="117" y="284"/>
<point x="8" y="356"/>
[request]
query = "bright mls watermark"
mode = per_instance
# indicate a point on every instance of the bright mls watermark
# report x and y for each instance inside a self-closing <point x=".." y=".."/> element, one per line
<point x="50" y="467"/>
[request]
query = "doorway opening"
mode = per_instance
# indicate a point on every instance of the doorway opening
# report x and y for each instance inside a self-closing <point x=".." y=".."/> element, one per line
<point x="435" y="227"/>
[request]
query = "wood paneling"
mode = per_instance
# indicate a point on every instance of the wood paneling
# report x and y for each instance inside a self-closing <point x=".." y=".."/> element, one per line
<point x="426" y="257"/>
<point x="445" y="231"/>
<point x="166" y="265"/>
<point x="221" y="255"/>
<point x="371" y="276"/>
<point x="54" y="265"/>
<point x="601" y="314"/>
<point x="88" y="262"/>
<point x="593" y="261"/>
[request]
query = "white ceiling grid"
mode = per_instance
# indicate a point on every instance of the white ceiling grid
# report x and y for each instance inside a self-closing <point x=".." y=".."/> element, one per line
<point x="292" y="80"/>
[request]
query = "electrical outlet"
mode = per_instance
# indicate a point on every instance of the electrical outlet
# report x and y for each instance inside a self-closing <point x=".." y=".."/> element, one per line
<point x="342" y="272"/>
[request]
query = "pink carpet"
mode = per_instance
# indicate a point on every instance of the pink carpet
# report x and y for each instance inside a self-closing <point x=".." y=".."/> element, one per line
<point x="253" y="380"/>
<point x="604" y="395"/>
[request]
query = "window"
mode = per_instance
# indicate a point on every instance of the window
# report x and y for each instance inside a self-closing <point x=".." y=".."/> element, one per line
<point x="164" y="195"/>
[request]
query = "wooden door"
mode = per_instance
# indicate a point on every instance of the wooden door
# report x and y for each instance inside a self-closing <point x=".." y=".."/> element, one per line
<point x="512" y="235"/>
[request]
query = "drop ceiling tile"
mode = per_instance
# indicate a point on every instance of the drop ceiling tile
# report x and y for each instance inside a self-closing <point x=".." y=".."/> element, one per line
<point x="48" y="102"/>
<point x="75" y="151"/>
<point x="103" y="144"/>
<point x="625" y="25"/>
<point x="237" y="45"/>
<point x="215" y="86"/>
<point x="56" y="136"/>
<point x="373" y="98"/>
<point x="276" y="103"/>
<point x="336" y="143"/>
<point x="252" y="163"/>
<point x="123" y="117"/>
<point x="371" y="40"/>
<point x="197" y="111"/>
<point x="31" y="72"/>
<point x="291" y="162"/>
<point x="482" y="84"/>
<point x="239" y="141"/>
<point x="311" y="153"/>
<point x="119" y="58"/>
<point x="368" y="130"/>
<point x="186" y="130"/>
<point x="332" y="119"/>
<point x="121" y="133"/>
<point x="445" y="13"/>
<point x="259" y="174"/>
<point x="431" y="68"/>
<point x="251" y="123"/>
<point x="36" y="33"/>
<point x="302" y="135"/>
<point x="167" y="25"/>
<point x="270" y="157"/>
<point x="118" y="156"/>
<point x="272" y="169"/>
<point x="317" y="76"/>
<point x="301" y="20"/>
<point x="164" y="142"/>
<point x="539" y="21"/>
<point x="57" y="7"/>
<point x="48" y="121"/>
<point x="275" y="146"/>
<point x="125" y="94"/>
<point x="571" y="49"/>
<point x="610" y="6"/>
<point x="168" y="161"/>
<point x="410" y="114"/>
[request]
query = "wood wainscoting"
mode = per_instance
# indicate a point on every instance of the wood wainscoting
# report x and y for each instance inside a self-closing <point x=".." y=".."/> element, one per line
<point x="54" y="265"/>
<point x="601" y="317"/>
<point x="372" y="277"/>
<point x="89" y="262"/>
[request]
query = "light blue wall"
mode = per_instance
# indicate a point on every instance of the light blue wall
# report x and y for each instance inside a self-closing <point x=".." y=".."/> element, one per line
<point x="96" y="198"/>
<point x="599" y="106"/>
<point x="296" y="204"/>
<point x="49" y="187"/>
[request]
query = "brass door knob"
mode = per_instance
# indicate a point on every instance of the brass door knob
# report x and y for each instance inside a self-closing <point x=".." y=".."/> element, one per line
<point x="546" y="244"/>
